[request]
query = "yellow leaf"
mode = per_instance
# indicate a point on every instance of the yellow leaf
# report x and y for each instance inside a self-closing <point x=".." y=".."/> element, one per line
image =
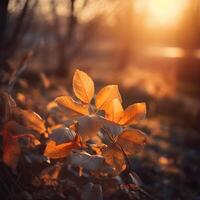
<point x="132" y="140"/>
<point x="59" y="151"/>
<point x="107" y="94"/>
<point x="83" y="86"/>
<point x="68" y="103"/>
<point x="133" y="114"/>
<point x="114" y="110"/>
<point x="32" y="120"/>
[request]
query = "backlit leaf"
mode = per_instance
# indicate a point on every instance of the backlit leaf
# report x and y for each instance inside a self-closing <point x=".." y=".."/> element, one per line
<point x="83" y="86"/>
<point x="32" y="120"/>
<point x="114" y="157"/>
<point x="114" y="110"/>
<point x="133" y="114"/>
<point x="132" y="140"/>
<point x="68" y="103"/>
<point x="106" y="95"/>
<point x="59" y="151"/>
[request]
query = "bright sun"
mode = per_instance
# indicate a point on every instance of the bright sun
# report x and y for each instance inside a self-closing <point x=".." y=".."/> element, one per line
<point x="162" y="12"/>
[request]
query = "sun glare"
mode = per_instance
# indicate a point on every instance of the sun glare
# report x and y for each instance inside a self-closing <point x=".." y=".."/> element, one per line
<point x="161" y="12"/>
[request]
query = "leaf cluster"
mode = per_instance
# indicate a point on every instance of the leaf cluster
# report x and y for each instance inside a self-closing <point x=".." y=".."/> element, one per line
<point x="95" y="144"/>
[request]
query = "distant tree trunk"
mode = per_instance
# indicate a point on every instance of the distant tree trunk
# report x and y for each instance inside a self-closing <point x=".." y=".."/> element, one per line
<point x="66" y="43"/>
<point x="127" y="35"/>
<point x="3" y="23"/>
<point x="189" y="69"/>
<point x="3" y="17"/>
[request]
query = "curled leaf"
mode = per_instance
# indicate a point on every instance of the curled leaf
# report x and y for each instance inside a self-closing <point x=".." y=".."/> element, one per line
<point x="6" y="106"/>
<point x="132" y="140"/>
<point x="114" y="110"/>
<point x="133" y="114"/>
<point x="83" y="86"/>
<point x="68" y="103"/>
<point x="32" y="120"/>
<point x="62" y="135"/>
<point x="106" y="95"/>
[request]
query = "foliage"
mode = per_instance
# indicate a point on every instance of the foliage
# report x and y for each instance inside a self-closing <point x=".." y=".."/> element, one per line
<point x="87" y="152"/>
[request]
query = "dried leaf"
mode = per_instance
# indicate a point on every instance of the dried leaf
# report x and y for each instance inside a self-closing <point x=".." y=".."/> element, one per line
<point x="51" y="174"/>
<point x="133" y="114"/>
<point x="83" y="86"/>
<point x="86" y="161"/>
<point x="60" y="151"/>
<point x="132" y="140"/>
<point x="6" y="106"/>
<point x="114" y="157"/>
<point x="11" y="148"/>
<point x="109" y="130"/>
<point x="32" y="120"/>
<point x="114" y="110"/>
<point x="92" y="191"/>
<point x="68" y="103"/>
<point x="106" y="95"/>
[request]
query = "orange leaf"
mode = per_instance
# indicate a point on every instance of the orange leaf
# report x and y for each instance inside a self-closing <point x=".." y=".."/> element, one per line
<point x="114" y="157"/>
<point x="132" y="140"/>
<point x="114" y="110"/>
<point x="32" y="120"/>
<point x="68" y="103"/>
<point x="83" y="86"/>
<point x="11" y="149"/>
<point x="133" y="114"/>
<point x="107" y="94"/>
<point x="59" y="151"/>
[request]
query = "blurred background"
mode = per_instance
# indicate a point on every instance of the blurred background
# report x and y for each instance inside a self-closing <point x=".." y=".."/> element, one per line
<point x="151" y="48"/>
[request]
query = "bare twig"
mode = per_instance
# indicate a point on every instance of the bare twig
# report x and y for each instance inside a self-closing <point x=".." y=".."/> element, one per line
<point x="22" y="66"/>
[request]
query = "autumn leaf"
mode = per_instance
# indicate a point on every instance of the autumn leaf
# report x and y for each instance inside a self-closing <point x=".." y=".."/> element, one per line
<point x="106" y="95"/>
<point x="32" y="120"/>
<point x="88" y="126"/>
<point x="68" y="103"/>
<point x="7" y="104"/>
<point x="92" y="191"/>
<point x="62" y="135"/>
<point x="133" y="114"/>
<point x="132" y="140"/>
<point x="114" y="110"/>
<point x="86" y="161"/>
<point x="114" y="157"/>
<point x="60" y="151"/>
<point x="11" y="147"/>
<point x="83" y="86"/>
